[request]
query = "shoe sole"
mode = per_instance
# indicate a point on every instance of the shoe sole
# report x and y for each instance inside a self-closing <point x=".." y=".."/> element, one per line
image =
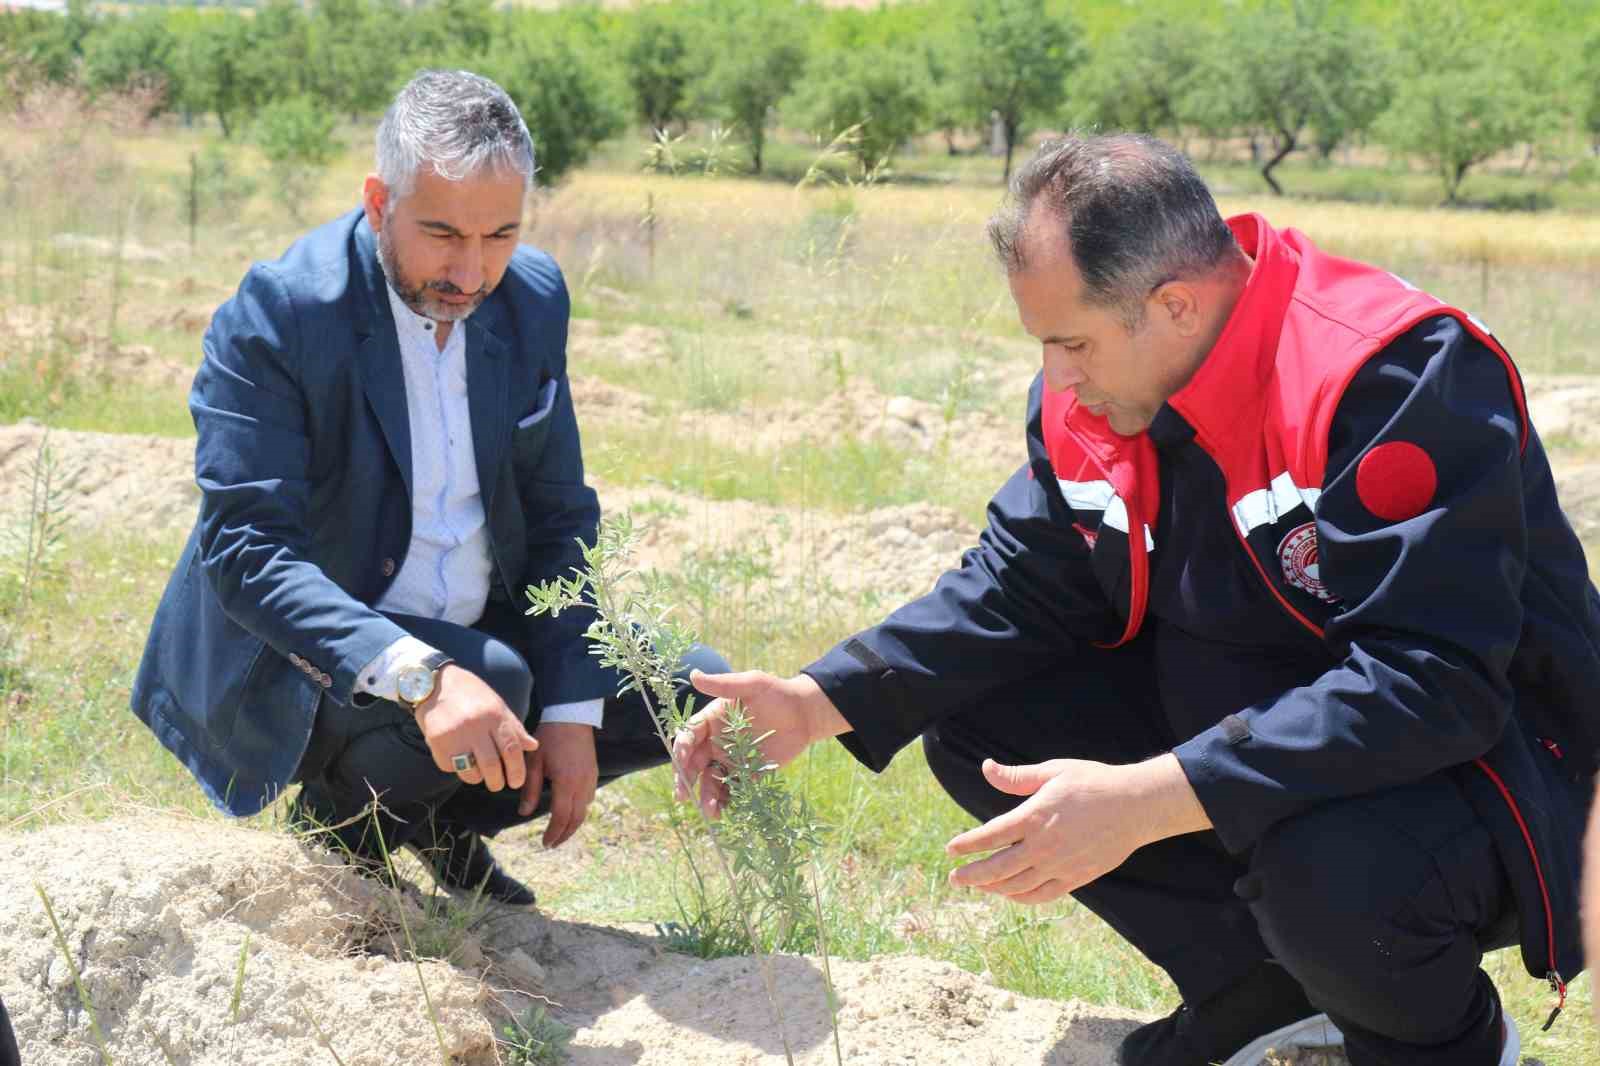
<point x="1313" y="1033"/>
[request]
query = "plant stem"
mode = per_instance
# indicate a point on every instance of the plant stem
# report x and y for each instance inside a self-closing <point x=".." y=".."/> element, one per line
<point x="77" y="978"/>
<point x="763" y="958"/>
<point x="405" y="927"/>
<point x="827" y="968"/>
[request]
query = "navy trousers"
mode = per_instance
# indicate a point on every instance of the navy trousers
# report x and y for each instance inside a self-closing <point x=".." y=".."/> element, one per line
<point x="357" y="751"/>
<point x="1380" y="905"/>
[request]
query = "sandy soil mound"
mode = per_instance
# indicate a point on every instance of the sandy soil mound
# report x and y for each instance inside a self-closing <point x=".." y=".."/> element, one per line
<point x="142" y="484"/>
<point x="156" y="913"/>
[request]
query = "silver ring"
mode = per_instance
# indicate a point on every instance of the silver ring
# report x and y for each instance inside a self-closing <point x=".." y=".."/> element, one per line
<point x="463" y="763"/>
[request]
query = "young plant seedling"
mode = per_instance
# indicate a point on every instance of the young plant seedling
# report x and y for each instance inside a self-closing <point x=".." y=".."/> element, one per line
<point x="765" y="838"/>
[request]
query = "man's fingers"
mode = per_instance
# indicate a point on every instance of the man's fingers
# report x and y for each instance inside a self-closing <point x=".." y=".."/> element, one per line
<point x="1026" y="879"/>
<point x="510" y="744"/>
<point x="1051" y="890"/>
<point x="734" y="686"/>
<point x="713" y="791"/>
<point x="532" y="786"/>
<point x="494" y="778"/>
<point x="692" y="748"/>
<point x="580" y="811"/>
<point x="995" y="833"/>
<point x="996" y="869"/>
<point x="560" y="812"/>
<point x="1019" y="780"/>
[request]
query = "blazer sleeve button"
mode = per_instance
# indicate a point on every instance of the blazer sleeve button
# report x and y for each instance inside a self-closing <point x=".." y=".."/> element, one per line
<point x="388" y="568"/>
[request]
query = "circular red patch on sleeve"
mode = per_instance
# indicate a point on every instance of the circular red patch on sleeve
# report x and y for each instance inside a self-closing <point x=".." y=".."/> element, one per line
<point x="1396" y="481"/>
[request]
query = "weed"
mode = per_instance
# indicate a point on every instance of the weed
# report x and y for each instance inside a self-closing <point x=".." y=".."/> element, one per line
<point x="535" y="1038"/>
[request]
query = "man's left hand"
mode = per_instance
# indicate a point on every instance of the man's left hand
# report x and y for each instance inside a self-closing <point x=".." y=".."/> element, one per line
<point x="1081" y="820"/>
<point x="566" y="756"/>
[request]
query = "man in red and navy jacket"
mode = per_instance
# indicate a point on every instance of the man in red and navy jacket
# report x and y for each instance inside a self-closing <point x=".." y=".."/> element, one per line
<point x="1279" y="653"/>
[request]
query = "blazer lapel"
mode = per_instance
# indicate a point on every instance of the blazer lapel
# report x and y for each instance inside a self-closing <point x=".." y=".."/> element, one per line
<point x="382" y="378"/>
<point x="488" y="380"/>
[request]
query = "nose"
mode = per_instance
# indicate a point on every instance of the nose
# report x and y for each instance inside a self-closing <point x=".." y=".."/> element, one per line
<point x="466" y="266"/>
<point x="1059" y="372"/>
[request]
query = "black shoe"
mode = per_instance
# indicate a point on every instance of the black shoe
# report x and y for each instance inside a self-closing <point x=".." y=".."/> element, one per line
<point x="461" y="861"/>
<point x="1212" y="1031"/>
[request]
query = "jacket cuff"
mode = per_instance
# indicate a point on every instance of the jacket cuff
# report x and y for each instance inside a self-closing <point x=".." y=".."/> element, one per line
<point x="867" y="692"/>
<point x="1239" y="801"/>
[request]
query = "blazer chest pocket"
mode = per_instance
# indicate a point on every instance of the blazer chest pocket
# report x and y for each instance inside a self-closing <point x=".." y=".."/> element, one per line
<point x="531" y="431"/>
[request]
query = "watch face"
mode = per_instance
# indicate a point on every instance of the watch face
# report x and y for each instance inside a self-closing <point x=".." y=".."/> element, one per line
<point x="414" y="683"/>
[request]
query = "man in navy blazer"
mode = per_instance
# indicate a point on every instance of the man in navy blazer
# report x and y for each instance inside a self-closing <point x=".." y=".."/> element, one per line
<point x="388" y="455"/>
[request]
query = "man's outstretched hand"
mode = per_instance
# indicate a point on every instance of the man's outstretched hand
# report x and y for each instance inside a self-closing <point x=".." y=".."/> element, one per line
<point x="1081" y="820"/>
<point x="794" y="711"/>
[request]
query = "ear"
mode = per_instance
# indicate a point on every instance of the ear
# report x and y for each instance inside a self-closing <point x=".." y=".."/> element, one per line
<point x="1179" y="303"/>
<point x="374" y="198"/>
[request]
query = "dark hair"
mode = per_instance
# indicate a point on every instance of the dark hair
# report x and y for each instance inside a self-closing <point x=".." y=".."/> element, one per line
<point x="1129" y="208"/>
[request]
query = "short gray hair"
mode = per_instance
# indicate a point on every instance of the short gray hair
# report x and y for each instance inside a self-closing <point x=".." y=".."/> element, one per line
<point x="1129" y="208"/>
<point x="455" y="122"/>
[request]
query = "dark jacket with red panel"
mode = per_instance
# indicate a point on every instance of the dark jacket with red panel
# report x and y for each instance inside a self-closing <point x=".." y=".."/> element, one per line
<point x="1345" y="536"/>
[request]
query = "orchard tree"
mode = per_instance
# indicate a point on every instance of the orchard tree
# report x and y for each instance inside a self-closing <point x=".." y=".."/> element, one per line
<point x="135" y="52"/>
<point x="296" y="135"/>
<point x="566" y="94"/>
<point x="1012" y="60"/>
<point x="354" y="67"/>
<point x="878" y="87"/>
<point x="658" y="55"/>
<point x="754" y="58"/>
<point x="49" y="44"/>
<point x="1465" y="95"/>
<point x="216" y="71"/>
<point x="1141" y="79"/>
<point x="1299" y="72"/>
<point x="453" y="33"/>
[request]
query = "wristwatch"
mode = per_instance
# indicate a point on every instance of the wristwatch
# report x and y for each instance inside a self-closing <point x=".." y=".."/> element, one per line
<point x="416" y="680"/>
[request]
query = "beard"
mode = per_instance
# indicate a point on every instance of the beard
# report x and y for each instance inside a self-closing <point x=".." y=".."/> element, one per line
<point x="421" y="296"/>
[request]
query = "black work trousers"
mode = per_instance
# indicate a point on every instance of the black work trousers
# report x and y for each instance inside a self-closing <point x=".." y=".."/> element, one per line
<point x="358" y="751"/>
<point x="1379" y="905"/>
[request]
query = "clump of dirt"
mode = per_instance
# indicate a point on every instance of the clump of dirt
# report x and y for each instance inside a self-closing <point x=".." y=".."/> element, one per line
<point x="157" y="913"/>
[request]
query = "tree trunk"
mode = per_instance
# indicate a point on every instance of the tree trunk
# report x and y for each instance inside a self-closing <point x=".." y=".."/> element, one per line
<point x="1011" y="147"/>
<point x="1286" y="146"/>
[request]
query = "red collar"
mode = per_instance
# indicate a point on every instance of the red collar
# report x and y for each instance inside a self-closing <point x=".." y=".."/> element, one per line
<point x="1226" y="396"/>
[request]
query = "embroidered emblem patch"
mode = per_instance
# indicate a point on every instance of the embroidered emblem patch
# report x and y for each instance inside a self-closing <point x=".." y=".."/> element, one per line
<point x="1297" y="554"/>
<point x="1396" y="481"/>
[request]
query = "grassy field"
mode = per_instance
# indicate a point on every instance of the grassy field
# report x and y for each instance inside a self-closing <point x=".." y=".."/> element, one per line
<point x="762" y="298"/>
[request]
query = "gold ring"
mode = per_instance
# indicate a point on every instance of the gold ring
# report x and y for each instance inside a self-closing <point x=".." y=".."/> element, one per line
<point x="463" y="763"/>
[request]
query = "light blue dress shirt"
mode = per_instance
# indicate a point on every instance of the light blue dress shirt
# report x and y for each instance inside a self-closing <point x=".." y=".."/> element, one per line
<point x="447" y="566"/>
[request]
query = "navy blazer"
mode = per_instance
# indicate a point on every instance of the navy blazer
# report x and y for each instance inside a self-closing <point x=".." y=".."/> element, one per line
<point x="304" y="462"/>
